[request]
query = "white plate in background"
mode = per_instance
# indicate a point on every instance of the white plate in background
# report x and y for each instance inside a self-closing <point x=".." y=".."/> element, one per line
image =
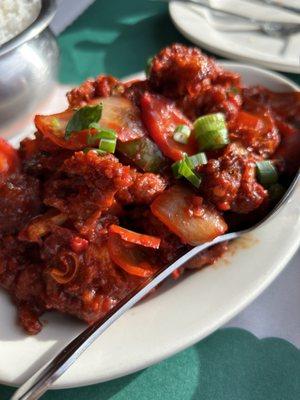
<point x="197" y="24"/>
<point x="178" y="315"/>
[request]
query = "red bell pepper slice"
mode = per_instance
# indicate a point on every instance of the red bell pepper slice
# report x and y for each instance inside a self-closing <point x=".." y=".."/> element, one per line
<point x="134" y="237"/>
<point x="161" y="118"/>
<point x="9" y="160"/>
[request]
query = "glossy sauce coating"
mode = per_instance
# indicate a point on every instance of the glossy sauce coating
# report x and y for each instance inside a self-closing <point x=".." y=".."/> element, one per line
<point x="79" y="230"/>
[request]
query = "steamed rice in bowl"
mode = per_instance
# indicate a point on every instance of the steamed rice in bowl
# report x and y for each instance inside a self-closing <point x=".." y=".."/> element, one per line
<point x="16" y="16"/>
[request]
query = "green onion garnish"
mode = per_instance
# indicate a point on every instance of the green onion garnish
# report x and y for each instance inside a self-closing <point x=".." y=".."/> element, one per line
<point x="210" y="122"/>
<point x="107" y="138"/>
<point x="196" y="160"/>
<point x="267" y="173"/>
<point x="183" y="169"/>
<point x="213" y="140"/>
<point x="95" y="125"/>
<point x="101" y="134"/>
<point x="108" y="145"/>
<point x="211" y="131"/>
<point x="182" y="134"/>
<point x="83" y="118"/>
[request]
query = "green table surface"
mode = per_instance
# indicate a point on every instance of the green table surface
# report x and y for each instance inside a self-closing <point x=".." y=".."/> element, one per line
<point x="116" y="37"/>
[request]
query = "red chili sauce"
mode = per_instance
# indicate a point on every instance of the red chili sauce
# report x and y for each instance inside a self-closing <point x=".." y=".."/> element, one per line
<point x="80" y="230"/>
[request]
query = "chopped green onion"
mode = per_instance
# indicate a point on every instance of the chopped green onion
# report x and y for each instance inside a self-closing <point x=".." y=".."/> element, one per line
<point x="266" y="173"/>
<point x="182" y="169"/>
<point x="182" y="134"/>
<point x="107" y="138"/>
<point x="108" y="134"/>
<point x="196" y="160"/>
<point x="211" y="131"/>
<point x="185" y="171"/>
<point x="101" y="134"/>
<point x="148" y="66"/>
<point x="108" y="145"/>
<point x="95" y="125"/>
<point x="82" y="119"/>
<point x="210" y="122"/>
<point x="193" y="178"/>
<point x="213" y="140"/>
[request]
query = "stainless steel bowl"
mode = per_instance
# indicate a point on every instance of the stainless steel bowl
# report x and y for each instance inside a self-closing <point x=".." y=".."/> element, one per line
<point x="28" y="69"/>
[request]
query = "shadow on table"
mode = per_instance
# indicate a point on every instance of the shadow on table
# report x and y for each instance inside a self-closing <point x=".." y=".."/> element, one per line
<point x="231" y="364"/>
<point x="104" y="391"/>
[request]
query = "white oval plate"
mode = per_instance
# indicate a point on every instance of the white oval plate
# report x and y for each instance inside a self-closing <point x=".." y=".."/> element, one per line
<point x="198" y="25"/>
<point x="178" y="315"/>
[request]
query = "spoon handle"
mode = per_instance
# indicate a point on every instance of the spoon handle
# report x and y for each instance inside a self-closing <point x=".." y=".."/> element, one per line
<point x="40" y="382"/>
<point x="233" y="13"/>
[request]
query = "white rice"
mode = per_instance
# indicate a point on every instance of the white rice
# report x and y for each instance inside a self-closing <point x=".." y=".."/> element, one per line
<point x="15" y="16"/>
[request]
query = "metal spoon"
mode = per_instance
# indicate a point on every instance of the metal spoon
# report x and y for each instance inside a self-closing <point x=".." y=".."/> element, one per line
<point x="270" y="28"/>
<point x="40" y="382"/>
<point x="279" y="5"/>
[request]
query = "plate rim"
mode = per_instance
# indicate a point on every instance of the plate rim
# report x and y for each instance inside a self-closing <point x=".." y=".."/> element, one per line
<point x="246" y="300"/>
<point x="295" y="69"/>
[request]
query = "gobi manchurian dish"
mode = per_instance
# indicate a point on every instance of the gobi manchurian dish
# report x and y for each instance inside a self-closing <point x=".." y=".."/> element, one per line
<point x="132" y="175"/>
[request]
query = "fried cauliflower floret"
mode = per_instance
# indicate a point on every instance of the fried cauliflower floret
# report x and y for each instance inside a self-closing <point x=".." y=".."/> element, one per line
<point x="229" y="181"/>
<point x="179" y="70"/>
<point x="102" y="86"/>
